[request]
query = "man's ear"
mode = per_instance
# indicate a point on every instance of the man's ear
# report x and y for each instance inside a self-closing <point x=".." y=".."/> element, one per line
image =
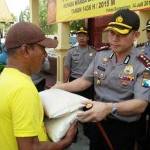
<point x="24" y="50"/>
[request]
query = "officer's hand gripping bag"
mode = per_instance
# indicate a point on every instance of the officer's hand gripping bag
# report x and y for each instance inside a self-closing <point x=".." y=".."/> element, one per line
<point x="61" y="107"/>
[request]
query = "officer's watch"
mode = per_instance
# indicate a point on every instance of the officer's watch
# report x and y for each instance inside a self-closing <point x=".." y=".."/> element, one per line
<point x="114" y="109"/>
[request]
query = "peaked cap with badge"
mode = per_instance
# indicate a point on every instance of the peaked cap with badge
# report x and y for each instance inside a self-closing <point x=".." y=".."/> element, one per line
<point x="124" y="21"/>
<point x="82" y="30"/>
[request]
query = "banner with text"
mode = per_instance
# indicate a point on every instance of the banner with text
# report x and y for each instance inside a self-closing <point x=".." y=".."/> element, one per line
<point x="68" y="10"/>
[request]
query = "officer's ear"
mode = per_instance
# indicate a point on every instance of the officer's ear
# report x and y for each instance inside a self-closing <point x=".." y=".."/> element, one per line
<point x="136" y="35"/>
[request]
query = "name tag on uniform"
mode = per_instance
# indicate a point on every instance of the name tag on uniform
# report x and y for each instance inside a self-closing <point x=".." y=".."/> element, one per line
<point x="101" y="68"/>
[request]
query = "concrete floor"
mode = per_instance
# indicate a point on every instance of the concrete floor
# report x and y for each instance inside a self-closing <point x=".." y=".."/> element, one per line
<point x="82" y="142"/>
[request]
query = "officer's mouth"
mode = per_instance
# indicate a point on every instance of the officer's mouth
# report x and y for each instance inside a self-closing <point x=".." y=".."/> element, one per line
<point x="114" y="46"/>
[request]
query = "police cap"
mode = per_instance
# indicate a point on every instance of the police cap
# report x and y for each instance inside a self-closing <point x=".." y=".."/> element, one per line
<point x="123" y="21"/>
<point x="82" y="30"/>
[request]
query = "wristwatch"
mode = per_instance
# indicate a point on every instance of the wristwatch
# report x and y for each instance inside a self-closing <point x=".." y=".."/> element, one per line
<point x="114" y="109"/>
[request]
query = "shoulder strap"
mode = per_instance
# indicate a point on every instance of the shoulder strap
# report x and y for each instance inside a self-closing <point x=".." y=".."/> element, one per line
<point x="103" y="48"/>
<point x="145" y="60"/>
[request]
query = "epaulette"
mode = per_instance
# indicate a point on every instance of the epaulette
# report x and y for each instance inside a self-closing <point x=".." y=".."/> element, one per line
<point x="72" y="47"/>
<point x="145" y="60"/>
<point x="106" y="47"/>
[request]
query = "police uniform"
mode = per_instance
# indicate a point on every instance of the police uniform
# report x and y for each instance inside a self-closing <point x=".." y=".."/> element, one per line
<point x="144" y="48"/>
<point x="144" y="135"/>
<point x="146" y="45"/>
<point x="116" y="82"/>
<point x="147" y="49"/>
<point x="78" y="60"/>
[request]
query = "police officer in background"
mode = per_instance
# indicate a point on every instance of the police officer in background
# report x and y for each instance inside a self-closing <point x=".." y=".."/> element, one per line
<point x="78" y="59"/>
<point x="147" y="44"/>
<point x="76" y="62"/>
<point x="120" y="80"/>
<point x="145" y="47"/>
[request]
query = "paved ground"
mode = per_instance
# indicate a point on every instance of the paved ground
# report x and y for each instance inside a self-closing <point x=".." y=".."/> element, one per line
<point x="82" y="142"/>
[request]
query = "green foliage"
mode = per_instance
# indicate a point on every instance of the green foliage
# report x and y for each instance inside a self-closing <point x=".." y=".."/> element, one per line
<point x="76" y="25"/>
<point x="47" y="29"/>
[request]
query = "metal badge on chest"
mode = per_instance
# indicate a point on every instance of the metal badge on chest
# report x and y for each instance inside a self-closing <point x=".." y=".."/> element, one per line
<point x="126" y="76"/>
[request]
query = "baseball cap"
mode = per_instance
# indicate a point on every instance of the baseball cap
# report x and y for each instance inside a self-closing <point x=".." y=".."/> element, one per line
<point x="27" y="33"/>
<point x="82" y="30"/>
<point x="147" y="27"/>
<point x="123" y="21"/>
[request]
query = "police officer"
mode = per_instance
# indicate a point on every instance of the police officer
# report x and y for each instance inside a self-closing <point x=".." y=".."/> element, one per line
<point x="76" y="62"/>
<point x="78" y="59"/>
<point x="120" y="80"/>
<point x="145" y="47"/>
<point x="144" y="135"/>
<point x="147" y="44"/>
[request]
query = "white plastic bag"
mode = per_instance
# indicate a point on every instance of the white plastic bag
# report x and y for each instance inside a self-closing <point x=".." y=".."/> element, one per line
<point x="61" y="107"/>
<point x="58" y="102"/>
<point x="58" y="127"/>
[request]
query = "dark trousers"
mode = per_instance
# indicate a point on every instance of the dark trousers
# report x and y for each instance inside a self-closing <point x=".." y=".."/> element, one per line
<point x="121" y="134"/>
<point x="143" y="138"/>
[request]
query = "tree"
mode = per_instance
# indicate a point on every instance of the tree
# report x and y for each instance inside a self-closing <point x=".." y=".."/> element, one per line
<point x="47" y="29"/>
<point x="76" y="25"/>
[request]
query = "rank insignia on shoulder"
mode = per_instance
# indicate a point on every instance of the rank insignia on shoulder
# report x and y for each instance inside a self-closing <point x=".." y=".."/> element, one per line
<point x="104" y="47"/>
<point x="145" y="60"/>
<point x="146" y="78"/>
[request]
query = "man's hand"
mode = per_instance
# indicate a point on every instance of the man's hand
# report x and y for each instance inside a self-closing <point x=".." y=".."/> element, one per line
<point x="98" y="112"/>
<point x="70" y="135"/>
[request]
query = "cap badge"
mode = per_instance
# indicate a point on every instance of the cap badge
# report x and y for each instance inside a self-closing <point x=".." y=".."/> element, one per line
<point x="81" y="29"/>
<point x="119" y="19"/>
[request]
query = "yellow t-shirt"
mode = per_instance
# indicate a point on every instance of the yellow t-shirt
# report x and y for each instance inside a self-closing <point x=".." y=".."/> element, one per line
<point x="21" y="112"/>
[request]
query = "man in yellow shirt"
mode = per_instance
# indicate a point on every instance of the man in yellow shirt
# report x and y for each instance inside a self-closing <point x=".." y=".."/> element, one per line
<point x="21" y="112"/>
